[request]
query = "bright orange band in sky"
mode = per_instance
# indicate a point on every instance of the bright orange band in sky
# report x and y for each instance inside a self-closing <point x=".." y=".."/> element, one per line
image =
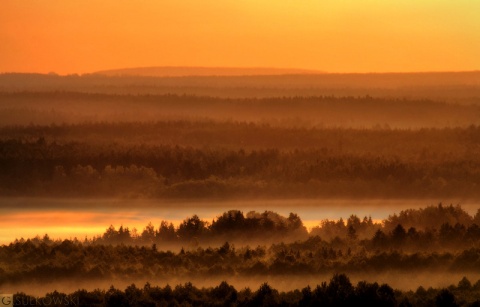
<point x="73" y="36"/>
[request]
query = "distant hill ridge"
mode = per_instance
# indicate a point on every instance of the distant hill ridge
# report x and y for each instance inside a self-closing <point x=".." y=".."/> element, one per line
<point x="180" y="71"/>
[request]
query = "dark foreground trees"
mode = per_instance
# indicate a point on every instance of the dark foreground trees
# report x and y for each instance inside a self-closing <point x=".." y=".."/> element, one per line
<point x="339" y="291"/>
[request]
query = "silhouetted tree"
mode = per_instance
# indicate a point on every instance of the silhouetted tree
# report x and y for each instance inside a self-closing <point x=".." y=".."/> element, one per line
<point x="115" y="297"/>
<point x="445" y="298"/>
<point x="340" y="291"/>
<point x="191" y="228"/>
<point x="265" y="296"/>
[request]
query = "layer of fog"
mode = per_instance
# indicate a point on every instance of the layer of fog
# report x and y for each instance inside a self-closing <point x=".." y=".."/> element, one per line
<point x="344" y="111"/>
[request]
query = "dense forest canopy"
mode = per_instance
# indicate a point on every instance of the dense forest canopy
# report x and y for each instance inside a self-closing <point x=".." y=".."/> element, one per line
<point x="172" y="159"/>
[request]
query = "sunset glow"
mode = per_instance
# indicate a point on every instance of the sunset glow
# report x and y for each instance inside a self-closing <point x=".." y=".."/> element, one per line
<point x="347" y="36"/>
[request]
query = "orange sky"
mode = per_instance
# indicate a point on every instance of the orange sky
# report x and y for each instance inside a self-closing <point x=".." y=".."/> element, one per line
<point x="80" y="36"/>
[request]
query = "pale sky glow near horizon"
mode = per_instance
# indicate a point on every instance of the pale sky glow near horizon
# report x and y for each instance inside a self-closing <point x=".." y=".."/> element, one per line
<point x="73" y="36"/>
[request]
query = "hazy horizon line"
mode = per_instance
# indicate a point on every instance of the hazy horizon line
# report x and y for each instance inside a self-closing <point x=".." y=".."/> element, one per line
<point x="279" y="71"/>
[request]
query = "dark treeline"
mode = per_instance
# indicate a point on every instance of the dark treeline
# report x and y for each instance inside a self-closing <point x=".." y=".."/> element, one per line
<point x="362" y="111"/>
<point x="208" y="159"/>
<point x="441" y="239"/>
<point x="431" y="228"/>
<point x="339" y="291"/>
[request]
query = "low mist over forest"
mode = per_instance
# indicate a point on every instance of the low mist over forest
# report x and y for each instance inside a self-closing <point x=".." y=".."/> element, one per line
<point x="436" y="240"/>
<point x="244" y="140"/>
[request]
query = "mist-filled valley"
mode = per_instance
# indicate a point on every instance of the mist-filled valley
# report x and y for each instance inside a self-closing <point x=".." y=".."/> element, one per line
<point x="241" y="190"/>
